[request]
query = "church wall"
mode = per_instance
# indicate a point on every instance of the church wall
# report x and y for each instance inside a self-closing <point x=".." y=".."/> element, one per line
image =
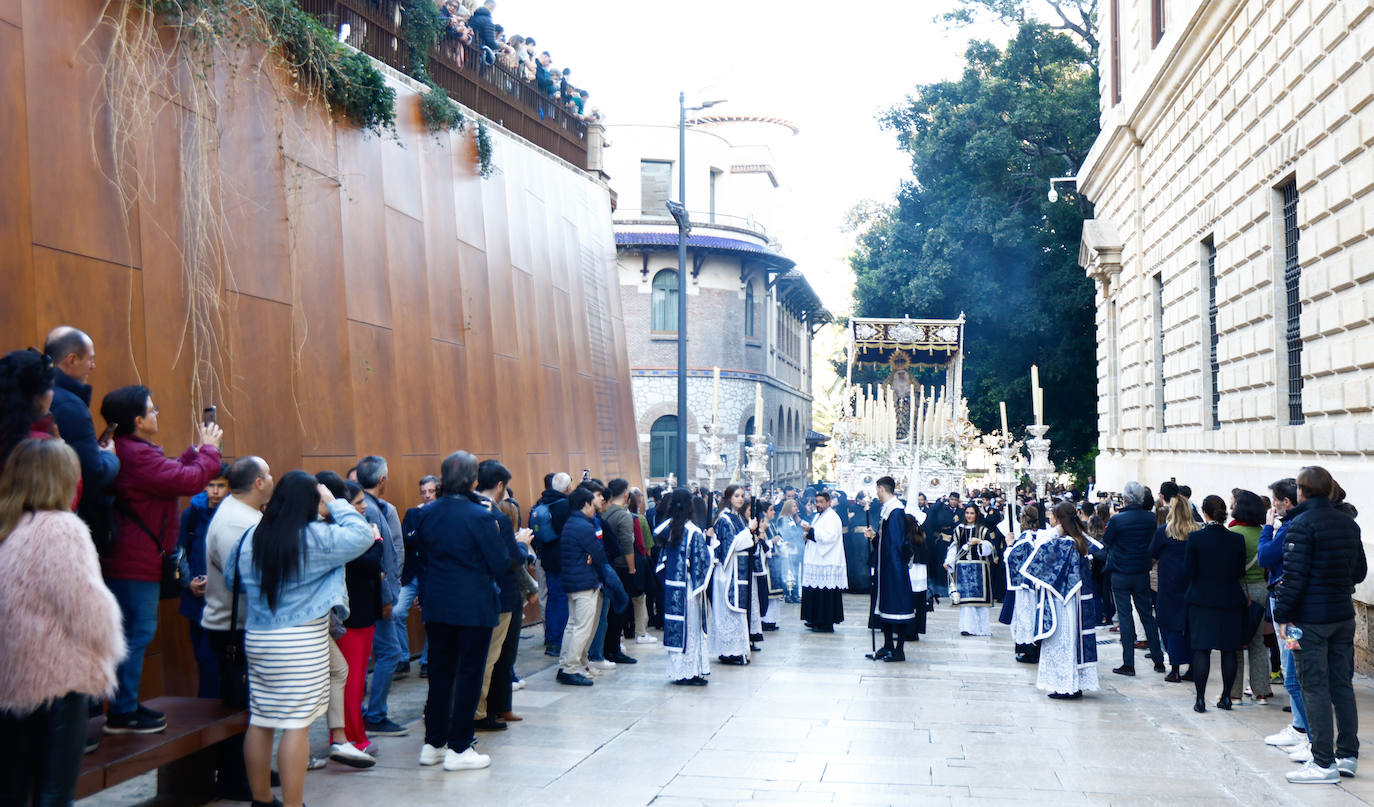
<point x="1237" y="98"/>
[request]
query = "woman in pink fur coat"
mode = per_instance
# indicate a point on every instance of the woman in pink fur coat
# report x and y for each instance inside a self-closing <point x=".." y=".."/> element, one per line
<point x="59" y="625"/>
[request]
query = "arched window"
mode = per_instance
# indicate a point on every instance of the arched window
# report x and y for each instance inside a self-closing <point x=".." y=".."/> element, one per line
<point x="664" y="301"/>
<point x="663" y="446"/>
<point x="749" y="309"/>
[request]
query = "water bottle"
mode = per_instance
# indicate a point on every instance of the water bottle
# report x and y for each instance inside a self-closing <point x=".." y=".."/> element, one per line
<point x="1291" y="636"/>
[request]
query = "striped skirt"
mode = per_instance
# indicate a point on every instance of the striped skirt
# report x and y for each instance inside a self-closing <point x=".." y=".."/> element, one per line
<point x="288" y="675"/>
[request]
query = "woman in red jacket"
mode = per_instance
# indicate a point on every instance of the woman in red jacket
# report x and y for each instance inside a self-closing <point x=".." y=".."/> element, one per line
<point x="146" y="512"/>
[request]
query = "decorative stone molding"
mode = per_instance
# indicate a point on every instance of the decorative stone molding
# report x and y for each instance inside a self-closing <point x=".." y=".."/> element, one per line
<point x="1099" y="253"/>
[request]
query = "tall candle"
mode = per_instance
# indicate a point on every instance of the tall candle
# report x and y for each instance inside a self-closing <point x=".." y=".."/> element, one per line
<point x="1039" y="406"/>
<point x="911" y="418"/>
<point x="715" y="393"/>
<point x="1035" y="379"/>
<point x="1006" y="434"/>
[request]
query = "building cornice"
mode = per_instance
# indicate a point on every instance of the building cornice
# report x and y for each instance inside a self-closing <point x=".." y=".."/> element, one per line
<point x="1180" y="54"/>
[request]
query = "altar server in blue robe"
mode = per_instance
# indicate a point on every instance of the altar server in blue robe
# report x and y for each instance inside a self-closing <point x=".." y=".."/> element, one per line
<point x="892" y="605"/>
<point x="685" y="564"/>
<point x="1018" y="609"/>
<point x="733" y="578"/>
<point x="968" y="561"/>
<point x="1060" y="568"/>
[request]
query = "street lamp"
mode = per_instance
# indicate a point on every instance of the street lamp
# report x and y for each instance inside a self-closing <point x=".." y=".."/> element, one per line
<point x="678" y="210"/>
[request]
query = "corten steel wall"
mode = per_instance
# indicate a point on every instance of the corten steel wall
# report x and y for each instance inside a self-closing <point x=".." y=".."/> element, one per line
<point x="385" y="299"/>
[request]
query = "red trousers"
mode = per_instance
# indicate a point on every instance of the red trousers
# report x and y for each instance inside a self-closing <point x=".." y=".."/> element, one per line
<point x="356" y="646"/>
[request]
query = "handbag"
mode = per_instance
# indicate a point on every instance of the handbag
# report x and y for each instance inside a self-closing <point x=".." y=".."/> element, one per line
<point x="171" y="583"/>
<point x="233" y="664"/>
<point x="1254" y="616"/>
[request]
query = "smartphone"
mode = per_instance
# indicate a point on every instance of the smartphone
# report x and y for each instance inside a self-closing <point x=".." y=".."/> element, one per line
<point x="586" y="474"/>
<point x="209" y="415"/>
<point x="107" y="434"/>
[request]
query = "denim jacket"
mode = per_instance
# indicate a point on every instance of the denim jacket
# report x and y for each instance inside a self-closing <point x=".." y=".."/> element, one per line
<point x="319" y="584"/>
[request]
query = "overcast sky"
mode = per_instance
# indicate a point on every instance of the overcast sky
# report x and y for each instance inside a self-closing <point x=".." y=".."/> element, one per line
<point x="830" y="67"/>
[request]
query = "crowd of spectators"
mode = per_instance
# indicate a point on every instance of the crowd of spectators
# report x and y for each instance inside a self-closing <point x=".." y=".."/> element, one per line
<point x="471" y="25"/>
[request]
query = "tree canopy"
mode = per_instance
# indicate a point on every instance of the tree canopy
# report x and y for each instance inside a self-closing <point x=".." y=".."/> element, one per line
<point x="975" y="233"/>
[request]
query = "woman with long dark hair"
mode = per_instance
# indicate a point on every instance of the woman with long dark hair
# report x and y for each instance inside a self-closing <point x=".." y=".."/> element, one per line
<point x="291" y="568"/>
<point x="686" y="563"/>
<point x="1214" y="560"/>
<point x="1060" y="567"/>
<point x="26" y="389"/>
<point x="733" y="533"/>
<point x="969" y="562"/>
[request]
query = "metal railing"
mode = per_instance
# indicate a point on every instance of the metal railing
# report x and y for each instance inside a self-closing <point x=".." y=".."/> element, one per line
<point x="700" y="218"/>
<point x="491" y="91"/>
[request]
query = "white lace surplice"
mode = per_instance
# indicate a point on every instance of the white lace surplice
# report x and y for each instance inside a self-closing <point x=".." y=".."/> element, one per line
<point x="695" y="659"/>
<point x="1059" y="670"/>
<point x="729" y="629"/>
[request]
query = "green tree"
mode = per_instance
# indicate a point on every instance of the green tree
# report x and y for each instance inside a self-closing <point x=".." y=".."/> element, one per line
<point x="974" y="233"/>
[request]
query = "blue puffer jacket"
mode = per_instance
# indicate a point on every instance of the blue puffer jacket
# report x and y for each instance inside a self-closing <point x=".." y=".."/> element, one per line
<point x="195" y="520"/>
<point x="1323" y="559"/>
<point x="579" y="543"/>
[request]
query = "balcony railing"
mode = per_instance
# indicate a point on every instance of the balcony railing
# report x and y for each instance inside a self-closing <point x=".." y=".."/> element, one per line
<point x="700" y="218"/>
<point x="489" y="90"/>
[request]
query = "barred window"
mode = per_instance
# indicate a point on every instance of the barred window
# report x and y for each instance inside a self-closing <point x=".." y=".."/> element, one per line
<point x="1292" y="274"/>
<point x="1210" y="246"/>
<point x="1161" y="401"/>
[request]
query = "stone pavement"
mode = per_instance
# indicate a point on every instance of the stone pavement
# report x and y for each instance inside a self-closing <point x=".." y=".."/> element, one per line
<point x="813" y="721"/>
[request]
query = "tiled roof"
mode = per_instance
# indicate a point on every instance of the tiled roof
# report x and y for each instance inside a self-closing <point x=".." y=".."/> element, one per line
<point x="641" y="239"/>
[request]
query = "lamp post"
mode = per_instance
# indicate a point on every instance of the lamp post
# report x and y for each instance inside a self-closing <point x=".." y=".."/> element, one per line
<point x="678" y="210"/>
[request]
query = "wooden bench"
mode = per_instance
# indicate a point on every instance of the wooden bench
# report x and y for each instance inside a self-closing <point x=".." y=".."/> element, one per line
<point x="183" y="755"/>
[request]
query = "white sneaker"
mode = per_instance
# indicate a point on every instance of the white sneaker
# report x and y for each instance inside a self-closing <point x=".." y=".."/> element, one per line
<point x="429" y="755"/>
<point x="351" y="755"/>
<point x="1301" y="753"/>
<point x="517" y="686"/>
<point x="590" y="672"/>
<point x="1286" y="738"/>
<point x="645" y="639"/>
<point x="602" y="664"/>
<point x="469" y="760"/>
<point x="1345" y="766"/>
<point x="1313" y="774"/>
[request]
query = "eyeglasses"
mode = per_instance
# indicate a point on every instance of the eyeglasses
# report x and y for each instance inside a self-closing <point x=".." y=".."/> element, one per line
<point x="153" y="413"/>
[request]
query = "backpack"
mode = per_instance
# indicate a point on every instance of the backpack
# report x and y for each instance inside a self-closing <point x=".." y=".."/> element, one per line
<point x="541" y="524"/>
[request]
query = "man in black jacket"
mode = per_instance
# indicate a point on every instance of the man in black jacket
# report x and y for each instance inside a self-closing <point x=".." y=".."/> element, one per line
<point x="73" y="353"/>
<point x="481" y="22"/>
<point x="1323" y="559"/>
<point x="1127" y="539"/>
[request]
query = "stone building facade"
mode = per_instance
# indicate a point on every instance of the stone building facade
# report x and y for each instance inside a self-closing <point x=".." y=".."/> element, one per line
<point x="749" y="311"/>
<point x="1233" y="185"/>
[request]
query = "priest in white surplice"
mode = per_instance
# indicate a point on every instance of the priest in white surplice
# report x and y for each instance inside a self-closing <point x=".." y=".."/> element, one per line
<point x="824" y="576"/>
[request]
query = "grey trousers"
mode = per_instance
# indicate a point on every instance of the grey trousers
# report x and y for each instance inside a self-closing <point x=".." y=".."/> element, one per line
<point x="1259" y="654"/>
<point x="1326" y="669"/>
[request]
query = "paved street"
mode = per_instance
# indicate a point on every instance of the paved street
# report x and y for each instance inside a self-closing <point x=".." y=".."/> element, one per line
<point x="812" y="721"/>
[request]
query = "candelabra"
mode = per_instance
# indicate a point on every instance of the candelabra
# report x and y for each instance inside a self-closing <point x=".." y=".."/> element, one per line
<point x="712" y="442"/>
<point x="757" y="469"/>
<point x="1007" y="454"/>
<point x="1041" y="469"/>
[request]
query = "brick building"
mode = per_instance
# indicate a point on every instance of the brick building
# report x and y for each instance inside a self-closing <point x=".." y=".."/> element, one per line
<point x="749" y="311"/>
<point x="1233" y="182"/>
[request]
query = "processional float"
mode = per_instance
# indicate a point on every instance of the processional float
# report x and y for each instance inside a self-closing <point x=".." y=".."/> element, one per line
<point x="917" y="434"/>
